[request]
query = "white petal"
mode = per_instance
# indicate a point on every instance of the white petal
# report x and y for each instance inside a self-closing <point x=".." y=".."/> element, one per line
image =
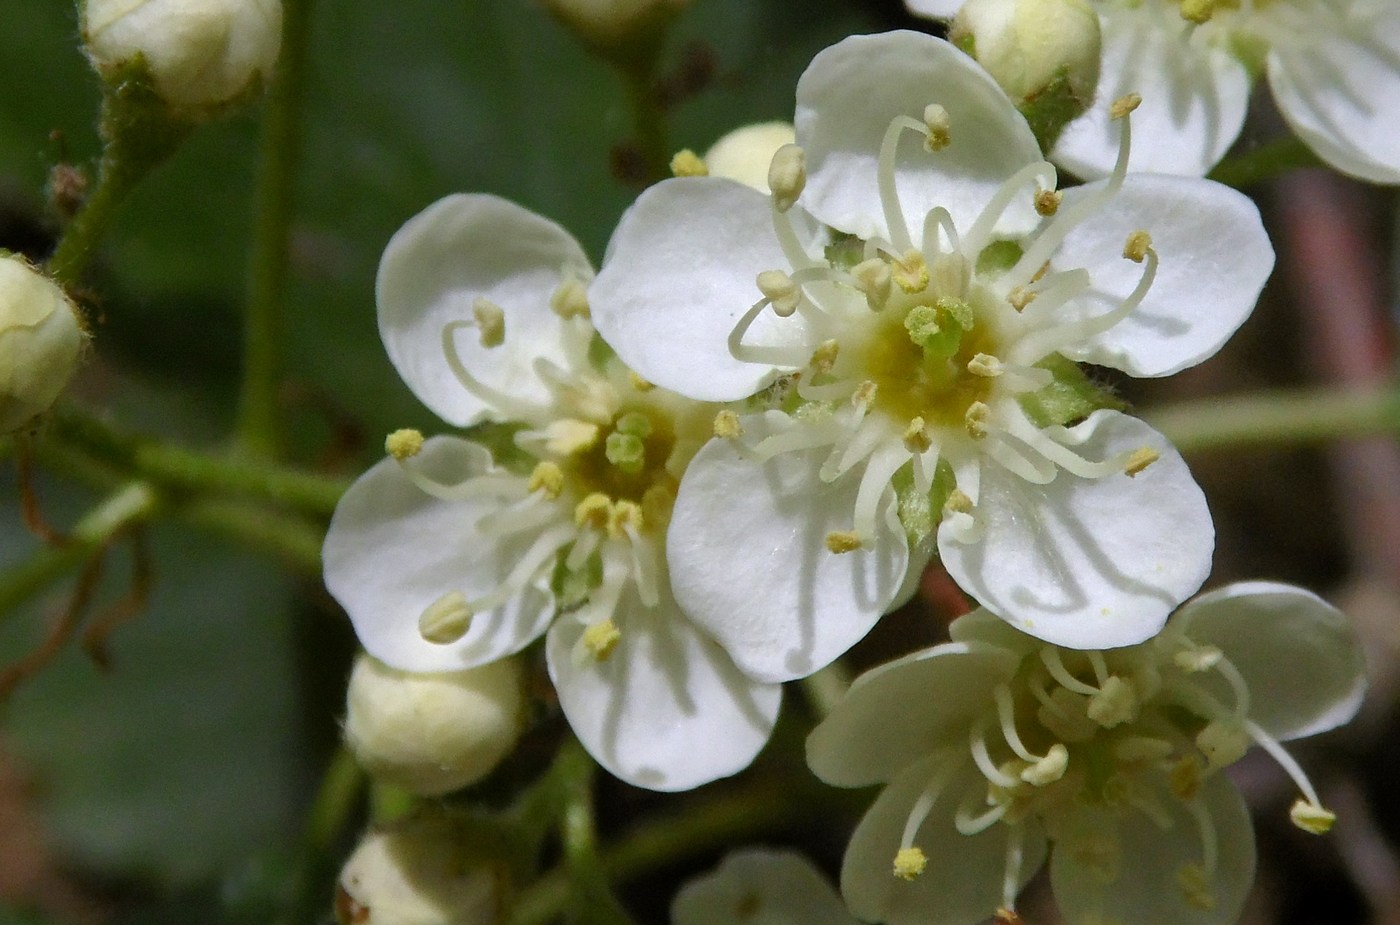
<point x="392" y="551"/>
<point x="962" y="883"/>
<point x="845" y="102"/>
<point x="1338" y="85"/>
<point x="1214" y="259"/>
<point x="1146" y="889"/>
<point x="983" y="626"/>
<point x="1299" y="655"/>
<point x="1088" y="563"/>
<point x="439" y="263"/>
<point x="1194" y="97"/>
<point x="759" y="887"/>
<point x="933" y="9"/>
<point x="749" y="563"/>
<point x="681" y="270"/>
<point x="667" y="710"/>
<point x="900" y="712"/>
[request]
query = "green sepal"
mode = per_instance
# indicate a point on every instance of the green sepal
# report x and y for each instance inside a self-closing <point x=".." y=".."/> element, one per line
<point x="499" y="440"/>
<point x="844" y="251"/>
<point x="921" y="512"/>
<point x="1054" y="107"/>
<point x="572" y="587"/>
<point x="1070" y="397"/>
<point x="998" y="257"/>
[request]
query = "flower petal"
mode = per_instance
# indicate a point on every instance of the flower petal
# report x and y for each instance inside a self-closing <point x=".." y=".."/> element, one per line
<point x="1298" y="654"/>
<point x="1338" y="85"/>
<point x="392" y="551"/>
<point x="900" y="712"/>
<point x="749" y="563"/>
<point x="680" y="272"/>
<point x="962" y="883"/>
<point x="846" y="100"/>
<point x="1088" y="563"/>
<point x="439" y="263"/>
<point x="933" y="9"/>
<point x="667" y="710"/>
<point x="1194" y="97"/>
<point x="1214" y="259"/>
<point x="1149" y="860"/>
<point x="758" y="886"/>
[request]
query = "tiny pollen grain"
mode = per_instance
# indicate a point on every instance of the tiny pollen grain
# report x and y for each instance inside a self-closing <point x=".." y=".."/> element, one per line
<point x="490" y="322"/>
<point x="909" y="863"/>
<point x="787" y="176"/>
<point x="1140" y="459"/>
<point x="1137" y="246"/>
<point x="842" y="541"/>
<point x="1047" y="201"/>
<point x="687" y="163"/>
<point x="1124" y="105"/>
<point x="727" y="426"/>
<point x="601" y="638"/>
<point x="547" y="478"/>
<point x="939" y="124"/>
<point x="404" y="443"/>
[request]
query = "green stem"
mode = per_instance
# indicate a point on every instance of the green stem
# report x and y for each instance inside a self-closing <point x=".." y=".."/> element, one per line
<point x="258" y="424"/>
<point x="336" y="802"/>
<point x="591" y="900"/>
<point x="1264" y="162"/>
<point x="649" y="125"/>
<point x="1278" y="419"/>
<point x="825" y="689"/>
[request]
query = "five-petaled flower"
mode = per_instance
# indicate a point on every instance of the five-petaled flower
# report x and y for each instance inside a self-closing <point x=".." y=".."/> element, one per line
<point x="998" y="748"/>
<point x="447" y="558"/>
<point x="916" y="366"/>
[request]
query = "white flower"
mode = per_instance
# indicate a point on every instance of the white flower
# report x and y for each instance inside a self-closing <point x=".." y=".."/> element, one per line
<point x="447" y="559"/>
<point x="420" y="872"/>
<point x="924" y="364"/>
<point x="997" y="748"/>
<point x="41" y="340"/>
<point x="616" y="25"/>
<point x="1333" y="67"/>
<point x="760" y="887"/>
<point x="746" y="153"/>
<point x="199" y="53"/>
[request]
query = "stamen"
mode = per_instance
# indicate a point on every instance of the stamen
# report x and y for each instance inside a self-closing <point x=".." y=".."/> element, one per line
<point x="570" y="300"/>
<point x="1050" y="657"/>
<point x="1040" y="172"/>
<point x="502" y="402"/>
<point x="1140" y="460"/>
<point x="446" y="619"/>
<point x="938" y="779"/>
<point x="1011" y="877"/>
<point x="1096" y="662"/>
<point x="968" y="824"/>
<point x="646" y="572"/>
<point x="593" y="511"/>
<point x="787" y="176"/>
<point x="1223" y="742"/>
<point x="910" y="271"/>
<point x="1210" y="842"/>
<point x="977" y="746"/>
<point x="874" y="280"/>
<point x="583" y="547"/>
<point x="1137" y="246"/>
<point x="909" y="863"/>
<point x="727" y="426"/>
<point x="569" y="437"/>
<point x="601" y="638"/>
<point x="1047" y="201"/>
<point x="843" y="541"/>
<point x="490" y="321"/>
<point x="753" y="353"/>
<point x="1115" y="703"/>
<point x="1311" y="817"/>
<point x="547" y="478"/>
<point x="1198" y="658"/>
<point x="1006" y="714"/>
<point x="625" y="518"/>
<point x="687" y="163"/>
<point x="1020" y="297"/>
<point x="1123" y="106"/>
<point x="526" y="567"/>
<point x="879" y="471"/>
<point x="937" y="122"/>
<point x="975" y="419"/>
<point x="824" y="357"/>
<point x="780" y="291"/>
<point x="916" y="437"/>
<point x="1285" y="761"/>
<point x="1048" y="769"/>
<point x="864" y="393"/>
<point x="1186" y="778"/>
<point x="885" y="175"/>
<point x="404" y="443"/>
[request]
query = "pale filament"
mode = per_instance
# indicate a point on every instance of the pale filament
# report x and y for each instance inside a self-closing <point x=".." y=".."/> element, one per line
<point x="530" y="513"/>
<point x="1015" y="858"/>
<point x="1006" y="713"/>
<point x="939" y="219"/>
<point x="645" y="570"/>
<point x="889" y="196"/>
<point x="584" y="546"/>
<point x="546" y="545"/>
<point x="511" y="406"/>
<point x="977" y="746"/>
<point x="968" y="824"/>
<point x="491" y="485"/>
<point x="789" y="357"/>
<point x="1210" y="841"/>
<point x="1050" y="657"/>
<point x="938" y="780"/>
<point x="1000" y="448"/>
<point x="796" y="254"/>
<point x="981" y="232"/>
<point x="879" y="470"/>
<point x="1060" y="455"/>
<point x="1285" y="760"/>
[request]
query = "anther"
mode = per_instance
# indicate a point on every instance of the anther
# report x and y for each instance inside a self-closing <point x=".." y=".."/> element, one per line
<point x="909" y="863"/>
<point x="570" y="300"/>
<point x="874" y="279"/>
<point x="985" y="365"/>
<point x="787" y="176"/>
<point x="490" y="321"/>
<point x="938" y="123"/>
<point x="1020" y="297"/>
<point x="1310" y="817"/>
<point x="1048" y="769"/>
<point x="781" y="291"/>
<point x="864" y="393"/>
<point x="1137" y="246"/>
<point x="975" y="420"/>
<point x="624" y="515"/>
<point x="1140" y="459"/>
<point x="547" y="478"/>
<point x="687" y="163"/>
<point x="404" y="443"/>
<point x="446" y="619"/>
<point x="916" y="436"/>
<point x="593" y="510"/>
<point x="958" y="502"/>
<point x="638" y="383"/>
<point x="843" y="541"/>
<point x="1198" y="11"/>
<point x="910" y="272"/>
<point x="1195" y="886"/>
<point x="1114" y="703"/>
<point x="569" y="436"/>
<point x="1047" y="201"/>
<point x="601" y="638"/>
<point x="727" y="426"/>
<point x="1222" y="742"/>
<point x="824" y="357"/>
<point x="1008" y="916"/>
<point x="1186" y="778"/>
<point x="1198" y="658"/>
<point x="1124" y="105"/>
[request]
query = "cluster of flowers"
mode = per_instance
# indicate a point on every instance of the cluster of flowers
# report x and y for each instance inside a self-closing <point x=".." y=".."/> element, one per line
<point x="715" y="464"/>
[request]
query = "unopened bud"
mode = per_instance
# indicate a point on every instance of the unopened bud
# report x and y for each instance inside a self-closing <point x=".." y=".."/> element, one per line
<point x="617" y="28"/>
<point x="420" y="872"/>
<point x="40" y="342"/>
<point x="745" y="154"/>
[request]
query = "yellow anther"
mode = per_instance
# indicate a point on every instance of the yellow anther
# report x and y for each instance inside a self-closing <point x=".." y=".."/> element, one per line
<point x="1186" y="778"/>
<point x="975" y="420"/>
<point x="638" y="383"/>
<point x="687" y="163"/>
<point x="601" y="638"/>
<point x="1140" y="459"/>
<point x="958" y="502"/>
<point x="1020" y="297"/>
<point x="1223" y="742"/>
<point x="938" y="123"/>
<point x="842" y="541"/>
<point x="779" y="289"/>
<point x="1198" y="658"/>
<point x="864" y="393"/>
<point x="1005" y="916"/>
<point x="1199" y="11"/>
<point x="593" y="511"/>
<point x="1047" y="201"/>
<point x="727" y="426"/>
<point x="1195" y="886"/>
<point x="624" y="514"/>
<point x="1040" y="274"/>
<point x="1048" y="769"/>
<point x="446" y="619"/>
<point x="1114" y="703"/>
<point x="570" y="300"/>
<point x="985" y="365"/>
<point x="1124" y="105"/>
<point x="569" y="436"/>
<point x="1310" y="817"/>
<point x="657" y="504"/>
<point x="547" y="478"/>
<point x="490" y="322"/>
<point x="916" y="437"/>
<point x="1137" y="246"/>
<point x="874" y="279"/>
<point x="824" y="357"/>
<point x="787" y="176"/>
<point x="910" y="272"/>
<point x="405" y="443"/>
<point x="909" y="863"/>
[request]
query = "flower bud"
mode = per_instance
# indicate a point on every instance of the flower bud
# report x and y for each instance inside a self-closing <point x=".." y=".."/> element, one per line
<point x="199" y="53"/>
<point x="1044" y="53"/>
<point x="418" y="873"/>
<point x="746" y="153"/>
<point x="432" y="733"/>
<point x="616" y="27"/>
<point x="40" y="342"/>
